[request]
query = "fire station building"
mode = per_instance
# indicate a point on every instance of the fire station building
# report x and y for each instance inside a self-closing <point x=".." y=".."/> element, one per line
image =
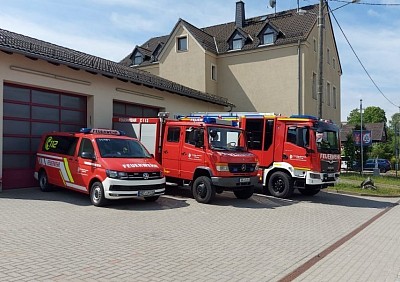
<point x="45" y="87"/>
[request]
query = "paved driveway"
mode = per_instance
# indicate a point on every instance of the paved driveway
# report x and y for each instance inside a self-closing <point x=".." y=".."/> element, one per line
<point x="60" y="236"/>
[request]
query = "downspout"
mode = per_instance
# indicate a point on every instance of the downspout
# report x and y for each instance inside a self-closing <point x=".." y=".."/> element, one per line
<point x="299" y="94"/>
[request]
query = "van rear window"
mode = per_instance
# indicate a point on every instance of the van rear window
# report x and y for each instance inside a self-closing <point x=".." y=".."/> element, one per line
<point x="64" y="145"/>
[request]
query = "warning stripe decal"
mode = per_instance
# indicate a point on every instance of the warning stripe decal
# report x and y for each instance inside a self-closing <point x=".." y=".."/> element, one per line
<point x="71" y="179"/>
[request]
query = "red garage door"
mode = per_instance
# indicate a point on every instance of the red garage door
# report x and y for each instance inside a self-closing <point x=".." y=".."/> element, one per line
<point x="27" y="114"/>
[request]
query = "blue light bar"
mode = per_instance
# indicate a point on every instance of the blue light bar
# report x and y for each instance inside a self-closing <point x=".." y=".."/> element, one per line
<point x="209" y="120"/>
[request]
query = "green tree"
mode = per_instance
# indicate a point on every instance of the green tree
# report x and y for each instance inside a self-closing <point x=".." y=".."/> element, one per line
<point x="395" y="120"/>
<point x="354" y="117"/>
<point x="370" y="115"/>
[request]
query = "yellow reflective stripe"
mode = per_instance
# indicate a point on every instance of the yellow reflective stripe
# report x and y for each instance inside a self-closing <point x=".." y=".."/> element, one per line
<point x="302" y="168"/>
<point x="68" y="171"/>
<point x="62" y="177"/>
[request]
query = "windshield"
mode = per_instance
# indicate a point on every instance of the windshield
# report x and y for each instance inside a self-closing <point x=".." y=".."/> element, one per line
<point x="221" y="138"/>
<point x="328" y="142"/>
<point x="121" y="148"/>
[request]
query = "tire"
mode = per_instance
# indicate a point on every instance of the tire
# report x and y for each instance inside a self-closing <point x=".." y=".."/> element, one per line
<point x="203" y="190"/>
<point x="280" y="185"/>
<point x="97" y="195"/>
<point x="245" y="193"/>
<point x="44" y="182"/>
<point x="152" y="198"/>
<point x="309" y="192"/>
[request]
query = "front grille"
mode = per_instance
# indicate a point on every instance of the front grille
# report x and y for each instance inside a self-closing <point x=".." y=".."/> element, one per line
<point x="136" y="187"/>
<point x="329" y="166"/>
<point x="143" y="175"/>
<point x="241" y="168"/>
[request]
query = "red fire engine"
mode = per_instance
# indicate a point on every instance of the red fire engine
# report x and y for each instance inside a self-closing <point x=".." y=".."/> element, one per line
<point x="207" y="156"/>
<point x="294" y="152"/>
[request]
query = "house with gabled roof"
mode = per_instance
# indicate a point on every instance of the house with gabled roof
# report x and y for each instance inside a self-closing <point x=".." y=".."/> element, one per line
<point x="266" y="63"/>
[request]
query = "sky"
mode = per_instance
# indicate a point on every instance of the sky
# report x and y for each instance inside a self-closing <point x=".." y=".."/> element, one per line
<point x="112" y="28"/>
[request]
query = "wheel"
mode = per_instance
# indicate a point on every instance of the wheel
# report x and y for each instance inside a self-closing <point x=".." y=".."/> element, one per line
<point x="245" y="193"/>
<point x="97" y="195"/>
<point x="309" y="192"/>
<point x="203" y="190"/>
<point x="280" y="185"/>
<point x="152" y="198"/>
<point x="43" y="182"/>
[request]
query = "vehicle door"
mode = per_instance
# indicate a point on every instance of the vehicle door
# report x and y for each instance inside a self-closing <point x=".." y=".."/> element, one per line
<point x="295" y="147"/>
<point x="83" y="166"/>
<point x="171" y="150"/>
<point x="192" y="154"/>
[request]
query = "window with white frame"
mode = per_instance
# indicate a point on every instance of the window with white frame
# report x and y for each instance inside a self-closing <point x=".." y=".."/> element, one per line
<point x="214" y="72"/>
<point x="237" y="42"/>
<point x="182" y="43"/>
<point x="334" y="97"/>
<point x="328" y="93"/>
<point x="314" y="86"/>
<point x="137" y="59"/>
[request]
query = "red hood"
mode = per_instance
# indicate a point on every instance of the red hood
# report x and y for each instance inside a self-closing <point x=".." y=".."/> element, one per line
<point x="235" y="157"/>
<point x="131" y="165"/>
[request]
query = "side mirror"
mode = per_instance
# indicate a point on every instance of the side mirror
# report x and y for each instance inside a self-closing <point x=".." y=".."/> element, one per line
<point x="88" y="155"/>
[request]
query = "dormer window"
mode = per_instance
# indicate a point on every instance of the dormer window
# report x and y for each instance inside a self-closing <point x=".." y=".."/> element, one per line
<point x="137" y="59"/>
<point x="237" y="42"/>
<point x="268" y="36"/>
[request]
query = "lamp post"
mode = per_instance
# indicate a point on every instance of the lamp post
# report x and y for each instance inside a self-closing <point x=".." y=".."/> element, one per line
<point x="320" y="56"/>
<point x="321" y="25"/>
<point x="361" y="138"/>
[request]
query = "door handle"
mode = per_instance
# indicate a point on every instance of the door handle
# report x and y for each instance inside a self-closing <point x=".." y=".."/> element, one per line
<point x="284" y="156"/>
<point x="183" y="154"/>
<point x="165" y="151"/>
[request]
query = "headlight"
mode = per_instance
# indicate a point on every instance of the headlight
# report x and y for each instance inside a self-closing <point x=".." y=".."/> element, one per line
<point x="315" y="176"/>
<point x="222" y="167"/>
<point x="257" y="166"/>
<point x="116" y="174"/>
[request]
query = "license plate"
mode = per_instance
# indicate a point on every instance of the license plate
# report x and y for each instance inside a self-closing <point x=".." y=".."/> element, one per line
<point x="331" y="175"/>
<point x="242" y="180"/>
<point x="146" y="193"/>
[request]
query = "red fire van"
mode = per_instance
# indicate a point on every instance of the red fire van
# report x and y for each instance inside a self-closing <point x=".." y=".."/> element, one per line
<point x="100" y="162"/>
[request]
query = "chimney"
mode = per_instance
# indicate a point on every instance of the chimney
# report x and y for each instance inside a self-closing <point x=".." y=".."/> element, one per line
<point x="240" y="16"/>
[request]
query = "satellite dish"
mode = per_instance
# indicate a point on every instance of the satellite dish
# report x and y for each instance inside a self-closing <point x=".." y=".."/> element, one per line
<point x="272" y="3"/>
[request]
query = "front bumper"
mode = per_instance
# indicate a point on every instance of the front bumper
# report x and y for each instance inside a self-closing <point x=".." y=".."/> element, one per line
<point x="120" y="189"/>
<point x="317" y="178"/>
<point x="235" y="182"/>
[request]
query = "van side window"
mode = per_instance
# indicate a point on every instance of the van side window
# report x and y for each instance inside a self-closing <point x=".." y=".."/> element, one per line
<point x="64" y="145"/>
<point x="86" y="146"/>
<point x="173" y="134"/>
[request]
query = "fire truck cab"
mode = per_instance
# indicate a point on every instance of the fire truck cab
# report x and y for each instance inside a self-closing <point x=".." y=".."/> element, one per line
<point x="202" y="154"/>
<point x="294" y="152"/>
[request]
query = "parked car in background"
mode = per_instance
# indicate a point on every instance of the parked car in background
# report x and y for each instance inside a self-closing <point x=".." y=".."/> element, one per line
<point x="383" y="164"/>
